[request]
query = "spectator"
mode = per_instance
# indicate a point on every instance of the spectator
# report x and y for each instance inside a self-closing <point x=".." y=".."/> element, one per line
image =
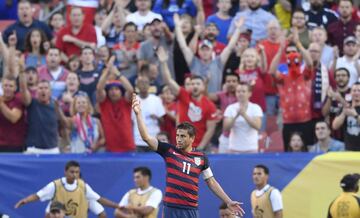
<point x="152" y="73"/>
<point x="99" y="19"/>
<point x="167" y="9"/>
<point x="193" y="106"/>
<point x="265" y="82"/>
<point x="42" y="135"/>
<point x="32" y="78"/>
<point x="324" y="141"/>
<point x="224" y="99"/>
<point x="76" y="35"/>
<point x="339" y="30"/>
<point x="163" y="137"/>
<point x="318" y="15"/>
<point x="53" y="72"/>
<point x="143" y="200"/>
<point x="160" y="36"/>
<point x="294" y="90"/>
<point x="350" y="59"/>
<point x="350" y="186"/>
<point x="25" y="23"/>
<point x="72" y="87"/>
<point x="266" y="201"/>
<point x="152" y="113"/>
<point x="88" y="73"/>
<point x="69" y="189"/>
<point x="335" y="99"/>
<point x="56" y="23"/>
<point x="102" y="57"/>
<point x="225" y="212"/>
<point x="73" y="64"/>
<point x="126" y="51"/>
<point x="210" y="33"/>
<point x="12" y="118"/>
<point x="234" y="60"/>
<point x="170" y="106"/>
<point x="114" y="102"/>
<point x="321" y="82"/>
<point x="87" y="134"/>
<point x="143" y="15"/>
<point x="57" y="210"/>
<point x="206" y="66"/>
<point x="221" y="19"/>
<point x="243" y="120"/>
<point x="319" y="36"/>
<point x="282" y="11"/>
<point x="145" y="34"/>
<point x="113" y="25"/>
<point x="349" y="120"/>
<point x="256" y="19"/>
<point x="251" y="70"/>
<point x="298" y="21"/>
<point x="35" y="53"/>
<point x="296" y="143"/>
<point x="88" y="8"/>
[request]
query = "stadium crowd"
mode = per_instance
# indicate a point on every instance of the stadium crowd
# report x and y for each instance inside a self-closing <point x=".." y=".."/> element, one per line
<point x="239" y="70"/>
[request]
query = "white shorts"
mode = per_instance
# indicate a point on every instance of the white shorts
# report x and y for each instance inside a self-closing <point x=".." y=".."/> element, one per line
<point x="34" y="150"/>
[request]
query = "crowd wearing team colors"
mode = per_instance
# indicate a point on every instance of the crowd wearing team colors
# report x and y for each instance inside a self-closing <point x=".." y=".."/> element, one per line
<point x="252" y="76"/>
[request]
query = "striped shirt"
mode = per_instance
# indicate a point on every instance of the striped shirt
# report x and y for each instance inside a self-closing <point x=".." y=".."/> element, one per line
<point x="182" y="179"/>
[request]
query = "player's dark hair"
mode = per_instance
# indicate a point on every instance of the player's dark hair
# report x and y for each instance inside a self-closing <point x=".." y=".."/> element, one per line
<point x="188" y="127"/>
<point x="342" y="69"/>
<point x="71" y="163"/>
<point x="87" y="48"/>
<point x="144" y="171"/>
<point x="265" y="168"/>
<point x="223" y="206"/>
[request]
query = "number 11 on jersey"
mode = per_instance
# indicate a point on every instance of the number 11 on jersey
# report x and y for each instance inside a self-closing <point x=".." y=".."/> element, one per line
<point x="186" y="167"/>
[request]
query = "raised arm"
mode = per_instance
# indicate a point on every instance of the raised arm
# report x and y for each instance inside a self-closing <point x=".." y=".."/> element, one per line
<point x="105" y="26"/>
<point x="263" y="60"/>
<point x="28" y="199"/>
<point x="163" y="58"/>
<point x="339" y="120"/>
<point x="234" y="38"/>
<point x="220" y="193"/>
<point x="4" y="51"/>
<point x="25" y="93"/>
<point x="193" y="44"/>
<point x="100" y="88"/>
<point x="124" y="81"/>
<point x="150" y="140"/>
<point x="200" y="14"/>
<point x="305" y="53"/>
<point x="188" y="54"/>
<point x="335" y="56"/>
<point x="11" y="114"/>
<point x="276" y="60"/>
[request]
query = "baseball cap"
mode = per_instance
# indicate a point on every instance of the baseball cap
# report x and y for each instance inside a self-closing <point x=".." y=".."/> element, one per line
<point x="350" y="39"/>
<point x="205" y="42"/>
<point x="349" y="180"/>
<point x="56" y="206"/>
<point x="114" y="83"/>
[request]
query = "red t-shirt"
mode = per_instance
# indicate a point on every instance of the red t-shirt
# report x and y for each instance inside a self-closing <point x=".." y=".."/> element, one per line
<point x="271" y="49"/>
<point x="13" y="134"/>
<point x="256" y="79"/>
<point x="87" y="33"/>
<point x="116" y="121"/>
<point x="195" y="112"/>
<point x="169" y="125"/>
<point x="295" y="96"/>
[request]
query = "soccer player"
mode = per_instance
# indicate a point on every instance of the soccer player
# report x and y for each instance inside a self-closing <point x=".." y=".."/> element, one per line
<point x="184" y="166"/>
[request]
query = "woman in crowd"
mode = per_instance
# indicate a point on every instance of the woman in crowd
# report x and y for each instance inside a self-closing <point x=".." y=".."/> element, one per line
<point x="297" y="143"/>
<point x="35" y="48"/>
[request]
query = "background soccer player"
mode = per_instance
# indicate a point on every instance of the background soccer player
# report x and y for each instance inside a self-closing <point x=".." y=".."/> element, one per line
<point x="184" y="166"/>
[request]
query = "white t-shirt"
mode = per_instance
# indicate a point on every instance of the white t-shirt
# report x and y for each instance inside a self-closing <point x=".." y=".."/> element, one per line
<point x="153" y="201"/>
<point x="348" y="64"/>
<point x="141" y="20"/>
<point x="242" y="136"/>
<point x="152" y="105"/>
<point x="84" y="3"/>
<point x="275" y="197"/>
<point x="48" y="192"/>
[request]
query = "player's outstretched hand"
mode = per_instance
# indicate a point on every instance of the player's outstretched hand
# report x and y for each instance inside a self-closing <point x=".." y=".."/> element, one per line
<point x="135" y="104"/>
<point x="20" y="203"/>
<point x="235" y="207"/>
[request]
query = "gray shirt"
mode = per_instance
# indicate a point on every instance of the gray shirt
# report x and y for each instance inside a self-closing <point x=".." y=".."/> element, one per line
<point x="212" y="72"/>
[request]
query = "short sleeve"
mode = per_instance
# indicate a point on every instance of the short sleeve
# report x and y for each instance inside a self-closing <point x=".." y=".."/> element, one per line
<point x="154" y="199"/>
<point x="258" y="111"/>
<point x="46" y="193"/>
<point x="91" y="195"/>
<point x="276" y="200"/>
<point x="124" y="200"/>
<point x="206" y="162"/>
<point x="95" y="207"/>
<point x="163" y="148"/>
<point x="183" y="94"/>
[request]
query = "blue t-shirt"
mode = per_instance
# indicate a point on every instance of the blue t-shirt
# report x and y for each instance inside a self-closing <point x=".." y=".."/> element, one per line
<point x="43" y="125"/>
<point x="223" y="26"/>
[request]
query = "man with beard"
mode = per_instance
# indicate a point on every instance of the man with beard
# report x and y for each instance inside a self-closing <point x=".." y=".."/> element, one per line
<point x="256" y="20"/>
<point x="211" y="32"/>
<point x="349" y="120"/>
<point x="318" y="15"/>
<point x="193" y="106"/>
<point x="335" y="99"/>
<point x="161" y="36"/>
<point x="344" y="27"/>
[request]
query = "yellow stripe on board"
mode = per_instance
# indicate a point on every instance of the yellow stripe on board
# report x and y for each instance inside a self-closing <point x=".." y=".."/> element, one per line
<point x="309" y="194"/>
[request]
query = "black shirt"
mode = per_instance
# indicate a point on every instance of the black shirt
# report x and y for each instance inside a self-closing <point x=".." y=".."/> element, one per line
<point x="352" y="132"/>
<point x="323" y="18"/>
